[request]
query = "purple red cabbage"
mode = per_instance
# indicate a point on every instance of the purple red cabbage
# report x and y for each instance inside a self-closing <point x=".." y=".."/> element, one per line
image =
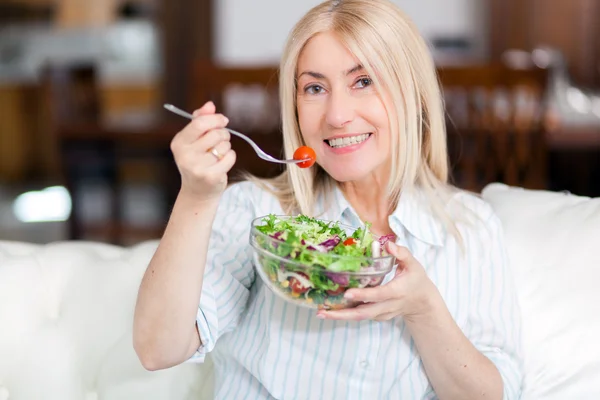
<point x="277" y="235"/>
<point x="339" y="278"/>
<point x="309" y="247"/>
<point x="385" y="238"/>
<point x="330" y="243"/>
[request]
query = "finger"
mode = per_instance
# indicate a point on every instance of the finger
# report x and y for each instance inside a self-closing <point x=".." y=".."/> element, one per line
<point x="220" y="149"/>
<point x="374" y="294"/>
<point x="208" y="108"/>
<point x="403" y="256"/>
<point x="400" y="252"/>
<point x="359" y="313"/>
<point x="201" y="125"/>
<point x="210" y="140"/>
<point x="223" y="147"/>
<point x="226" y="163"/>
<point x="217" y="173"/>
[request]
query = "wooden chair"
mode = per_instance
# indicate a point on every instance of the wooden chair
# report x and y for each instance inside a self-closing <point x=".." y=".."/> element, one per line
<point x="67" y="93"/>
<point x="70" y="97"/>
<point x="72" y="92"/>
<point x="92" y="148"/>
<point x="495" y="123"/>
<point x="249" y="97"/>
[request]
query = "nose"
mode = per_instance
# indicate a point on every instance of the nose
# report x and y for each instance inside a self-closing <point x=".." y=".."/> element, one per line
<point x="340" y="109"/>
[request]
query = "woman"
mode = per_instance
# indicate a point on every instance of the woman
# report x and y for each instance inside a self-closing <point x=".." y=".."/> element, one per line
<point x="447" y="323"/>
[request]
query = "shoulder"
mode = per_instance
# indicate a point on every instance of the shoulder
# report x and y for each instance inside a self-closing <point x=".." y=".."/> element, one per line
<point x="473" y="215"/>
<point x="250" y="195"/>
<point x="462" y="201"/>
<point x="240" y="204"/>
<point x="244" y="190"/>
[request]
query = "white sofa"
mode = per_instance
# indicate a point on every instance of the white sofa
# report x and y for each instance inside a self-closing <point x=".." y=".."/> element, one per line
<point x="66" y="310"/>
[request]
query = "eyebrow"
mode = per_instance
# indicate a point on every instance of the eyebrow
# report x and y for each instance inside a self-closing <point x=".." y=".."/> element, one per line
<point x="317" y="75"/>
<point x="356" y="68"/>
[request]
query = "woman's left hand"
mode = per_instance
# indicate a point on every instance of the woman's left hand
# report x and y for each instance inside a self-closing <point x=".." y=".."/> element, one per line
<point x="410" y="294"/>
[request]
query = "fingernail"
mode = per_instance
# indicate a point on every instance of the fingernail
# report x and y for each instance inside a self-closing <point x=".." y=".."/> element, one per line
<point x="226" y="120"/>
<point x="348" y="295"/>
<point x="320" y="316"/>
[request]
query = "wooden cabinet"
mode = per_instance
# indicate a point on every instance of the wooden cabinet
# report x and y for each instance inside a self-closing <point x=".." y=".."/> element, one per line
<point x="15" y="132"/>
<point x="77" y="13"/>
<point x="571" y="26"/>
<point x="69" y="13"/>
<point x="187" y="28"/>
<point x="26" y="148"/>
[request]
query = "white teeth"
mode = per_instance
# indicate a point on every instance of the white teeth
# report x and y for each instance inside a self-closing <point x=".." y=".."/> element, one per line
<point x="347" y="141"/>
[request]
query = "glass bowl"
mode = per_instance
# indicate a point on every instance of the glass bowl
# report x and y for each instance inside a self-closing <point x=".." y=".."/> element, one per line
<point x="316" y="278"/>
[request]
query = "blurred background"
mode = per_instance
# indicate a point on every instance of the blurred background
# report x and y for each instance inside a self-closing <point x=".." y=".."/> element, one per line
<point x="84" y="141"/>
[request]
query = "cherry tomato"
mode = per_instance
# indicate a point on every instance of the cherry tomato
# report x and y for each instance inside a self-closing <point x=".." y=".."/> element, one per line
<point x="296" y="286"/>
<point x="303" y="153"/>
<point x="349" y="241"/>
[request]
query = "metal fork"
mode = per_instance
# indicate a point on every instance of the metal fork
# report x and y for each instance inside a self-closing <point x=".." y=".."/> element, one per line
<point x="257" y="149"/>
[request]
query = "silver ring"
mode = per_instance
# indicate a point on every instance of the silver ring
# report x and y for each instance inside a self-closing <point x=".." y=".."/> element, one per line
<point x="216" y="154"/>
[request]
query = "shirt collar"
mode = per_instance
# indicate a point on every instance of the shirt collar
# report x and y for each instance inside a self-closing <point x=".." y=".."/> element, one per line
<point x="413" y="214"/>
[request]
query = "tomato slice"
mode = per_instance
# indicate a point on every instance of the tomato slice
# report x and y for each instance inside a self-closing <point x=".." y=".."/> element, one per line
<point x="350" y="241"/>
<point x="336" y="292"/>
<point x="304" y="153"/>
<point x="297" y="286"/>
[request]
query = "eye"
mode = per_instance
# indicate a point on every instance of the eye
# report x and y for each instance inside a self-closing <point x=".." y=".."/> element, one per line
<point x="363" y="82"/>
<point x="314" y="89"/>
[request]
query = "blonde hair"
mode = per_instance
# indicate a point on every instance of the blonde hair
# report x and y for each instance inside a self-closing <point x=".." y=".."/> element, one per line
<point x="390" y="48"/>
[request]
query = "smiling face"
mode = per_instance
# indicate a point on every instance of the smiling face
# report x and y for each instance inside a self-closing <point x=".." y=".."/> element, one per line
<point x="340" y="113"/>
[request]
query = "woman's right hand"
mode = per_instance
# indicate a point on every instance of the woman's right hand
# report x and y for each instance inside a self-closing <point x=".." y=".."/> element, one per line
<point x="204" y="173"/>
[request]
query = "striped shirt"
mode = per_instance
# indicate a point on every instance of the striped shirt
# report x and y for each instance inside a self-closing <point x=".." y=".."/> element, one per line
<point x="266" y="348"/>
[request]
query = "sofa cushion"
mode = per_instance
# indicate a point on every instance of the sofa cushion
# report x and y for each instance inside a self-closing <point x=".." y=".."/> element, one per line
<point x="66" y="318"/>
<point x="553" y="241"/>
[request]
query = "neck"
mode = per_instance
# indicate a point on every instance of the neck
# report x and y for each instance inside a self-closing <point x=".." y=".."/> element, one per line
<point x="370" y="200"/>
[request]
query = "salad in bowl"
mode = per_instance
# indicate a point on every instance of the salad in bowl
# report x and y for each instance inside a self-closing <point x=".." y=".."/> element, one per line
<point x="312" y="262"/>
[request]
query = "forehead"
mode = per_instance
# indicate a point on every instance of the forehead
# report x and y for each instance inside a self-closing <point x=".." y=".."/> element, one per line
<point x="324" y="53"/>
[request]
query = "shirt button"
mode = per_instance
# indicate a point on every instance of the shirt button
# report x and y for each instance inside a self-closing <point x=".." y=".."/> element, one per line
<point x="364" y="364"/>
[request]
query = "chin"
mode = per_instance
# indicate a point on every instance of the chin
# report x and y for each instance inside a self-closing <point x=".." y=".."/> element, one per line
<point x="348" y="173"/>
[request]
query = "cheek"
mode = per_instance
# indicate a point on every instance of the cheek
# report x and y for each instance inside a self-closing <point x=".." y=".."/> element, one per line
<point x="381" y="117"/>
<point x="374" y="111"/>
<point x="380" y="111"/>
<point x="309" y="120"/>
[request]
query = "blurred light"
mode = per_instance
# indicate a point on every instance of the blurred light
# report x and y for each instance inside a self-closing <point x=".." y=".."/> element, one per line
<point x="517" y="59"/>
<point x="48" y="205"/>
<point x="578" y="100"/>
<point x="542" y="58"/>
<point x="596" y="106"/>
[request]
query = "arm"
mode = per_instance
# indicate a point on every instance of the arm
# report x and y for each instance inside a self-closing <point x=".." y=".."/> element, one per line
<point x="197" y="284"/>
<point x="456" y="369"/>
<point x="484" y="361"/>
<point x="164" y="324"/>
<point x="164" y="331"/>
